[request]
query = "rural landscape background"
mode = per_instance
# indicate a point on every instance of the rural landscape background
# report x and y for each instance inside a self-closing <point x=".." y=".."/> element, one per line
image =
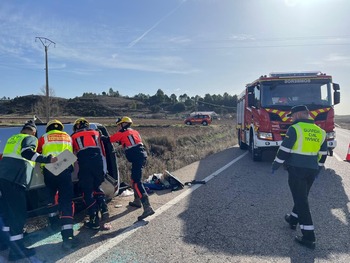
<point x="169" y="142"/>
<point x="159" y="118"/>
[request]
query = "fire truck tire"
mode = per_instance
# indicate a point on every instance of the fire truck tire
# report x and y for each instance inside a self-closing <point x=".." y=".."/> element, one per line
<point x="241" y="144"/>
<point x="188" y="123"/>
<point x="255" y="153"/>
<point x="204" y="123"/>
<point x="330" y="152"/>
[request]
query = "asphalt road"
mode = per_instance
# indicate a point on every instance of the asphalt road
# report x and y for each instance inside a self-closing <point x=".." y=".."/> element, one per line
<point x="237" y="216"/>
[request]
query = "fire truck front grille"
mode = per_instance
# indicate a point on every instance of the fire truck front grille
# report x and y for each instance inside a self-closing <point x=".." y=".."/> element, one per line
<point x="274" y="117"/>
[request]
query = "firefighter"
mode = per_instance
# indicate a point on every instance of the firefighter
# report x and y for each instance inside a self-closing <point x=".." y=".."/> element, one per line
<point x="54" y="142"/>
<point x="16" y="169"/>
<point x="135" y="153"/>
<point x="303" y="153"/>
<point x="89" y="150"/>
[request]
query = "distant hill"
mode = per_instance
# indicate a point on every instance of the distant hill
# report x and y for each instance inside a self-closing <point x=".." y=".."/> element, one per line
<point x="79" y="106"/>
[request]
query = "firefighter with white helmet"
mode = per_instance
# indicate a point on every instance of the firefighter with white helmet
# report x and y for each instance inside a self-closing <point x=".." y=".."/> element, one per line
<point x="89" y="149"/>
<point x="61" y="210"/>
<point x="135" y="153"/>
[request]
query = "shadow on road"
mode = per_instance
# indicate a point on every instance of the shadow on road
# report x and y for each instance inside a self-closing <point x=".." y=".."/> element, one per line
<point x="240" y="213"/>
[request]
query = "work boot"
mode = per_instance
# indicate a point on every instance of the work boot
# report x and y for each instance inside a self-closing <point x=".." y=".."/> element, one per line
<point x="291" y="220"/>
<point x="305" y="242"/>
<point x="137" y="201"/>
<point x="147" y="208"/>
<point x="104" y="211"/>
<point x="70" y="243"/>
<point x="93" y="223"/>
<point x="18" y="251"/>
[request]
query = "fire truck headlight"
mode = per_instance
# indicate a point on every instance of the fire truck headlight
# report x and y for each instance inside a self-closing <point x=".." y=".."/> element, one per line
<point x="265" y="136"/>
<point x="330" y="135"/>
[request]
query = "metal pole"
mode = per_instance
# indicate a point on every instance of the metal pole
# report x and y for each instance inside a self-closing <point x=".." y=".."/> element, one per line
<point x="46" y="43"/>
<point x="47" y="88"/>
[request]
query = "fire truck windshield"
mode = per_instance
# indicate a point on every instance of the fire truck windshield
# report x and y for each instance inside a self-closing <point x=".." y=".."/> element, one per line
<point x="276" y="94"/>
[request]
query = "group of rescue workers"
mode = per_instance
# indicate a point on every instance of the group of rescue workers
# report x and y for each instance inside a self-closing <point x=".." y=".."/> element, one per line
<point x="23" y="150"/>
<point x="301" y="156"/>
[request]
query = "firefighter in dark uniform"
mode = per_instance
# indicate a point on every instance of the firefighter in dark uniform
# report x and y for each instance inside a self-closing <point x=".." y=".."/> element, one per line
<point x="135" y="153"/>
<point x="16" y="168"/>
<point x="54" y="142"/>
<point x="88" y="147"/>
<point x="303" y="153"/>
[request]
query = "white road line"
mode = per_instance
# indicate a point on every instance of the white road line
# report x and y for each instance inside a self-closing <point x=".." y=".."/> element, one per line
<point x="96" y="253"/>
<point x="337" y="157"/>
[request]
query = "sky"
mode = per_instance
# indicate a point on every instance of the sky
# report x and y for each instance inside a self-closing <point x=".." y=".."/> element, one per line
<point x="192" y="47"/>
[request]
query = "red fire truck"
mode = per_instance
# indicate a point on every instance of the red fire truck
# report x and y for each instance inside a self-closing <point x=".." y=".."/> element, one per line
<point x="263" y="106"/>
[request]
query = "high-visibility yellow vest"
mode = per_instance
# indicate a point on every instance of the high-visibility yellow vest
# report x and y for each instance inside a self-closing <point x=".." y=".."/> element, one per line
<point x="13" y="147"/>
<point x="309" y="139"/>
<point x="56" y="142"/>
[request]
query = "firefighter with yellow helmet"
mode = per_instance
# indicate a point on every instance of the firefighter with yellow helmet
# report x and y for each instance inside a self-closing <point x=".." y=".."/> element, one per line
<point x="89" y="150"/>
<point x="61" y="210"/>
<point x="135" y="153"/>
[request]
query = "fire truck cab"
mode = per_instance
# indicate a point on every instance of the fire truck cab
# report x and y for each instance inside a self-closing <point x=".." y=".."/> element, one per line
<point x="263" y="106"/>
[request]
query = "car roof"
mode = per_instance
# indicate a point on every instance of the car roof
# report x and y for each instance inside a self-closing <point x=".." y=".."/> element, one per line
<point x="7" y="132"/>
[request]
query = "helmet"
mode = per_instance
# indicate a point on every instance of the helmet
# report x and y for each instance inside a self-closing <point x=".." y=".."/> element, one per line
<point x="81" y="123"/>
<point x="125" y="119"/>
<point x="54" y="125"/>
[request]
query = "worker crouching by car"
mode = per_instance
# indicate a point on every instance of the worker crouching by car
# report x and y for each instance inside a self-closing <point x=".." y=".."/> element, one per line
<point x="54" y="142"/>
<point x="135" y="153"/>
<point x="89" y="150"/>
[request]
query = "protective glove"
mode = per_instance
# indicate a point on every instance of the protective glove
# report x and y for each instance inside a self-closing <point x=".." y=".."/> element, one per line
<point x="275" y="166"/>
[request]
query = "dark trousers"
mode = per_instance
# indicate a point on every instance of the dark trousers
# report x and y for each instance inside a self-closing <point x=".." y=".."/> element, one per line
<point x="13" y="207"/>
<point x="61" y="184"/>
<point x="300" y="181"/>
<point x="91" y="175"/>
<point x="136" y="177"/>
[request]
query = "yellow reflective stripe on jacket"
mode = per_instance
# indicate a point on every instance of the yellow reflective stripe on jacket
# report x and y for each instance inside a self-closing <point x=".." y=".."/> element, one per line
<point x="309" y="139"/>
<point x="56" y="142"/>
<point x="13" y="147"/>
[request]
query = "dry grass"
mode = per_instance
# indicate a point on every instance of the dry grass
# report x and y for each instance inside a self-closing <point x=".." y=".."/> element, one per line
<point x="170" y="144"/>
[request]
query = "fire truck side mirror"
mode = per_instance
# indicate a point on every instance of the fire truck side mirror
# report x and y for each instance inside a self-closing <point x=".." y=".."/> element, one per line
<point x="336" y="94"/>
<point x="336" y="97"/>
<point x="336" y="86"/>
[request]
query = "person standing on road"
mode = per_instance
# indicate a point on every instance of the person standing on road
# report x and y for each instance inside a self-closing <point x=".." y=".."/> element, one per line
<point x="88" y="147"/>
<point x="54" y="142"/>
<point x="16" y="168"/>
<point x="303" y="153"/>
<point x="135" y="153"/>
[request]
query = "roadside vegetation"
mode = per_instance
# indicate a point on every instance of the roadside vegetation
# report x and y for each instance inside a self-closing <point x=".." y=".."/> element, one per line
<point x="173" y="145"/>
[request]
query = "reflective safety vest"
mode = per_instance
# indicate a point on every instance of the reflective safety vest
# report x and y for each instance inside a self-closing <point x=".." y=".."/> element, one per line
<point x="85" y="139"/>
<point x="55" y="142"/>
<point x="13" y="147"/>
<point x="309" y="139"/>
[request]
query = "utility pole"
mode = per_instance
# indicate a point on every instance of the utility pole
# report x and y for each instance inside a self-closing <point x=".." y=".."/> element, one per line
<point x="46" y="43"/>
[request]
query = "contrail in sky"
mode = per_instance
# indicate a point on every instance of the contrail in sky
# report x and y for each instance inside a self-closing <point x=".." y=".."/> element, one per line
<point x="133" y="43"/>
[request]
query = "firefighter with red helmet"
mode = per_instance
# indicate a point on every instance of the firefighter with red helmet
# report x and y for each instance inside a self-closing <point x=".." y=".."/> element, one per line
<point x="89" y="149"/>
<point x="135" y="153"/>
<point x="54" y="142"/>
<point x="16" y="170"/>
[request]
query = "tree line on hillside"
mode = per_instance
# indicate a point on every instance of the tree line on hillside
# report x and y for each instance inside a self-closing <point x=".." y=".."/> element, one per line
<point x="160" y="101"/>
